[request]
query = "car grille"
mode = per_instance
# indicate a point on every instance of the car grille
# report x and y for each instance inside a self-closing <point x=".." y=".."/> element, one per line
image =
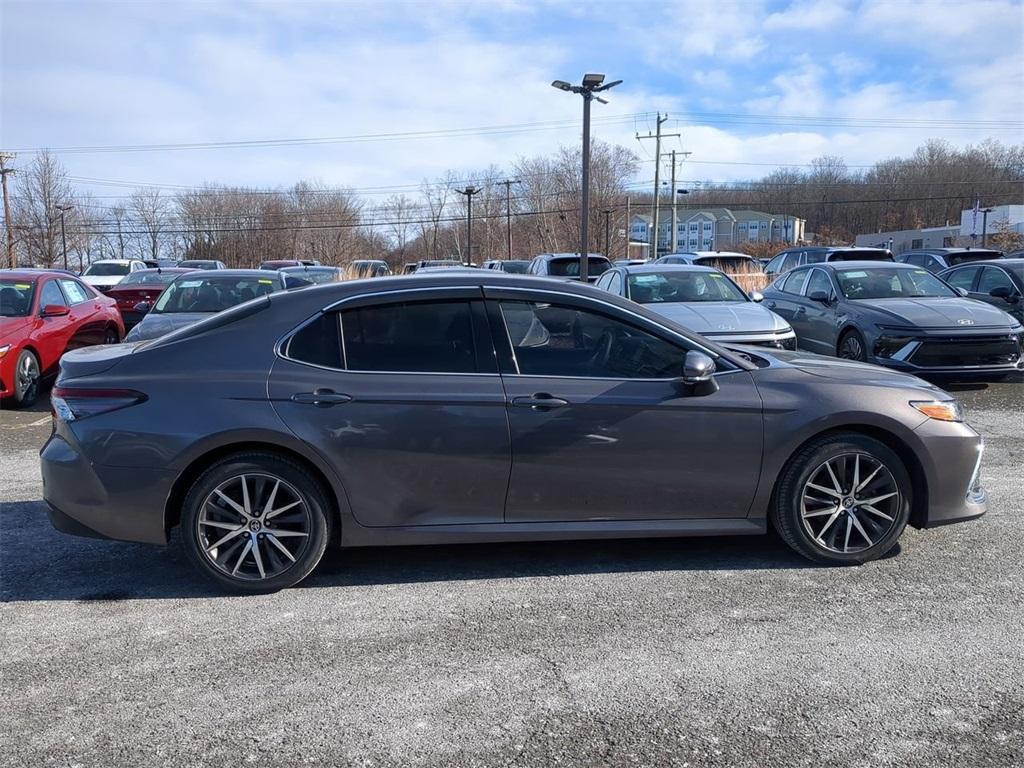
<point x="954" y="352"/>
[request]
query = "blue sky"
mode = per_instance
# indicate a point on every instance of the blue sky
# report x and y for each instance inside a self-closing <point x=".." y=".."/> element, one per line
<point x="83" y="73"/>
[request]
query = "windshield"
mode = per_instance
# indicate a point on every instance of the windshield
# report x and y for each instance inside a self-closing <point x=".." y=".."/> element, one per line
<point x="570" y="267"/>
<point x="105" y="270"/>
<point x="16" y="297"/>
<point x="212" y="294"/>
<point x="315" y="275"/>
<point x="662" y="287"/>
<point x="959" y="258"/>
<point x="161" y="278"/>
<point x="881" y="283"/>
<point x="514" y="267"/>
<point x="864" y="255"/>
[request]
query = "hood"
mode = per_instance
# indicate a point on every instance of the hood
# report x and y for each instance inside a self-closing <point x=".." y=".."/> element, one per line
<point x="951" y="312"/>
<point x="844" y="370"/>
<point x="155" y="325"/>
<point x="12" y="327"/>
<point x="711" y="317"/>
<point x="103" y="281"/>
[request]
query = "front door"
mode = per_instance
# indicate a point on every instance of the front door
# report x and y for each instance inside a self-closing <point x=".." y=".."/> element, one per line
<point x="817" y="321"/>
<point x="401" y="394"/>
<point x="600" y="431"/>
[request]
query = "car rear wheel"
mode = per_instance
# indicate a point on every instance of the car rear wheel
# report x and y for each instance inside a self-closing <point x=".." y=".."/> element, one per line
<point x="255" y="522"/>
<point x="26" y="379"/>
<point x="852" y="347"/>
<point x="842" y="500"/>
<point x="111" y="337"/>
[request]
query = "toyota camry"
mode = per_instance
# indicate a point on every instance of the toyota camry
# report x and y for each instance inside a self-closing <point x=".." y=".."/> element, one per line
<point x="482" y="407"/>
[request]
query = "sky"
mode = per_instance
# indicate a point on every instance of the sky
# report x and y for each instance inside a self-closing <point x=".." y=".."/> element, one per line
<point x="749" y="85"/>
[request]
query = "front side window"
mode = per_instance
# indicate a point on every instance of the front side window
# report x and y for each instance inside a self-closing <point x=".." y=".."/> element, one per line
<point x="963" y="278"/>
<point x="415" y="337"/>
<point x="880" y="283"/>
<point x="795" y="282"/>
<point x="75" y="293"/>
<point x="992" y="278"/>
<point x="51" y="295"/>
<point x="554" y="340"/>
<point x="819" y="281"/>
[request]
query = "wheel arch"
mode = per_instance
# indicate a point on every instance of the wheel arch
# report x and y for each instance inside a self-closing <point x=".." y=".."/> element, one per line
<point x="918" y="479"/>
<point x="199" y="464"/>
<point x="848" y="326"/>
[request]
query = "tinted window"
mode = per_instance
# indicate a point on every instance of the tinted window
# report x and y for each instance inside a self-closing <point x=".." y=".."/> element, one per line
<point x="513" y="267"/>
<point x="819" y="281"/>
<point x="795" y="282"/>
<point x="992" y="278"/>
<point x="318" y="343"/>
<point x="962" y="278"/>
<point x="814" y="257"/>
<point x="106" y="270"/>
<point x="75" y="293"/>
<point x="51" y="295"/>
<point x="552" y="340"/>
<point x="16" y="297"/>
<point x="881" y="283"/>
<point x="430" y="337"/>
<point x="571" y="267"/>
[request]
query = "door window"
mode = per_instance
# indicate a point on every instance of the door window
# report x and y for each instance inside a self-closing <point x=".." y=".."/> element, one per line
<point x="51" y="295"/>
<point x="318" y="343"/>
<point x="962" y="278"/>
<point x="992" y="278"/>
<point x="615" y="284"/>
<point x="819" y="281"/>
<point x="75" y="293"/>
<point x="553" y="340"/>
<point x="915" y="258"/>
<point x="414" y="337"/>
<point x="795" y="282"/>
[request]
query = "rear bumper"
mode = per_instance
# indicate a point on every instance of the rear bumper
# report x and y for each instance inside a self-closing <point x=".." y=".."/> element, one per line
<point x="124" y="503"/>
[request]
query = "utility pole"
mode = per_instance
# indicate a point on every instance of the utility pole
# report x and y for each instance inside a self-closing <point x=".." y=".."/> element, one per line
<point x="469" y="192"/>
<point x="4" y="170"/>
<point x="63" y="237"/>
<point x="629" y="224"/>
<point x="607" y="233"/>
<point x="508" y="213"/>
<point x="657" y="136"/>
<point x="984" y="226"/>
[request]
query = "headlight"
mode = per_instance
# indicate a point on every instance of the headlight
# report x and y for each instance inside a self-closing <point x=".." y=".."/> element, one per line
<point x="888" y="344"/>
<point x="940" y="410"/>
<point x="4" y="349"/>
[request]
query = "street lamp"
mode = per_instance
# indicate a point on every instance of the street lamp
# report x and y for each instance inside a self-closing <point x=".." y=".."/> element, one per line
<point x="63" y="237"/>
<point x="469" y="192"/>
<point x="592" y="85"/>
<point x="984" y="226"/>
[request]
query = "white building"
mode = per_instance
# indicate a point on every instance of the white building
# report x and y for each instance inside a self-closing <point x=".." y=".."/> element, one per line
<point x="717" y="229"/>
<point x="970" y="230"/>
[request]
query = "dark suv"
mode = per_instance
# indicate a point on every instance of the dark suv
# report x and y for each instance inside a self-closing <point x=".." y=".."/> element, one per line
<point x="567" y="266"/>
<point x="937" y="259"/>
<point x="798" y="257"/>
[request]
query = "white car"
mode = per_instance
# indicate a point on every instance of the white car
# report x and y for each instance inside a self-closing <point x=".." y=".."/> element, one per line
<point x="107" y="273"/>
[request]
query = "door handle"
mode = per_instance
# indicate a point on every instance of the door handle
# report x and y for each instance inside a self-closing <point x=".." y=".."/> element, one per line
<point x="539" y="401"/>
<point x="322" y="398"/>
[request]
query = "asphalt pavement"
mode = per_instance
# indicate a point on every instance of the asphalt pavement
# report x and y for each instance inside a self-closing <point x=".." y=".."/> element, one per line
<point x="691" y="652"/>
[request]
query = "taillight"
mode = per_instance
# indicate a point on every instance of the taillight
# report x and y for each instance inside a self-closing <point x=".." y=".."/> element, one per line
<point x="72" y="403"/>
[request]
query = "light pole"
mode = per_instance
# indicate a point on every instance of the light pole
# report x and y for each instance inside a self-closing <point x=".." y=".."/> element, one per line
<point x="469" y="192"/>
<point x="63" y="237"/>
<point x="592" y="85"/>
<point x="607" y="233"/>
<point x="984" y="226"/>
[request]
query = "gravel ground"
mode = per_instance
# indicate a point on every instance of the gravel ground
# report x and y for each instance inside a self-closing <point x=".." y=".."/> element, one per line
<point x="719" y="652"/>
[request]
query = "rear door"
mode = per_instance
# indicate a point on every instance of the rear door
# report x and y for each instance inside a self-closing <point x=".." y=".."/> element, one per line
<point x="400" y="393"/>
<point x="600" y="432"/>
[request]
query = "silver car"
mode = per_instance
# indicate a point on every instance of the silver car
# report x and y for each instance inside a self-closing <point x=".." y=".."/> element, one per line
<point x="703" y="300"/>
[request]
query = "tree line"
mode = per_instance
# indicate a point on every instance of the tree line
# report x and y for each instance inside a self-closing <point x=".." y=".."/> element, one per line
<point x="534" y="203"/>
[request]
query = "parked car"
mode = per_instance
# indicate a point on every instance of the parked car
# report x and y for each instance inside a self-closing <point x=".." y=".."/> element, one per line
<point x="363" y="268"/>
<point x="160" y="263"/>
<point x="550" y="410"/>
<point x="276" y="264"/>
<point x="45" y="314"/>
<point x="197" y="295"/>
<point x="938" y="259"/>
<point x="202" y="264"/>
<point x="567" y="266"/>
<point x="512" y="266"/>
<point x="107" y="273"/>
<point x="702" y="300"/>
<point x="745" y="270"/>
<point x="629" y="262"/>
<point x="412" y="267"/>
<point x="895" y="315"/>
<point x="801" y="255"/>
<point x="316" y="275"/>
<point x="1000" y="283"/>
<point x="141" y="286"/>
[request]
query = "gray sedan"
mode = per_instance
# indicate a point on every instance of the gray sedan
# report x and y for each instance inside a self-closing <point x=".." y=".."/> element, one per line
<point x="482" y="407"/>
<point x="703" y="300"/>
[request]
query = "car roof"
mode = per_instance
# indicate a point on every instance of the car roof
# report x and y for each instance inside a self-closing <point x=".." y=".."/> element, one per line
<point x="641" y="269"/>
<point x="949" y="251"/>
<point x="570" y="256"/>
<point x="987" y="262"/>
<point x="111" y="261"/>
<point x="834" y="265"/>
<point x="223" y="274"/>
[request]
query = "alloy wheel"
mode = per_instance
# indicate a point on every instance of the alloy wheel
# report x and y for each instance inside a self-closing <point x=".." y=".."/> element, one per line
<point x="849" y="503"/>
<point x="852" y="348"/>
<point x="110" y="337"/>
<point x="254" y="526"/>
<point x="28" y="378"/>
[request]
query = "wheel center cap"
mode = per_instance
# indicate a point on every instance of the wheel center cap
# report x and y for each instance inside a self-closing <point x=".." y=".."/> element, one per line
<point x="848" y="502"/>
<point x="255" y="525"/>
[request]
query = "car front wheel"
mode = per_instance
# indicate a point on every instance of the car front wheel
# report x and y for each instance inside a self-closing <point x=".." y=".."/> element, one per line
<point x="255" y="522"/>
<point x="843" y="500"/>
<point x="26" y="379"/>
<point x="852" y="347"/>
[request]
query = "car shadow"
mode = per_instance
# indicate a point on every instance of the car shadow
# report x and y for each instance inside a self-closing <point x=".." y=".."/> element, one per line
<point x="37" y="563"/>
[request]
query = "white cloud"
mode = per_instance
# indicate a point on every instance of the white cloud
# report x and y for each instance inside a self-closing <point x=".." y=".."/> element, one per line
<point x="817" y="16"/>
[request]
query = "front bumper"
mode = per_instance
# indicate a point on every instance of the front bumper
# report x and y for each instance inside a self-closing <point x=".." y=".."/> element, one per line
<point x="951" y="459"/>
<point x="945" y="353"/>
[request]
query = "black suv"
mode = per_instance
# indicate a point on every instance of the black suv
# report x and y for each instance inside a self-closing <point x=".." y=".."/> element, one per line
<point x="799" y="256"/>
<point x="937" y="259"/>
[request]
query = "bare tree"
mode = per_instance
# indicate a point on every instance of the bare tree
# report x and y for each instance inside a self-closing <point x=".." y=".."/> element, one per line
<point x="42" y="187"/>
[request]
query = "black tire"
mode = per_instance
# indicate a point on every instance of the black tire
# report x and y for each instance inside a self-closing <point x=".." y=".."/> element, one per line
<point x="256" y="468"/>
<point x="27" y="378"/>
<point x="787" y="508"/>
<point x="852" y="346"/>
<point x="110" y="336"/>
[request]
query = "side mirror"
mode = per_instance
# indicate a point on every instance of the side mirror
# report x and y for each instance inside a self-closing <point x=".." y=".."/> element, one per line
<point x="142" y="307"/>
<point x="1000" y="292"/>
<point x="55" y="310"/>
<point x="962" y="291"/>
<point x="756" y="296"/>
<point x="820" y="296"/>
<point x="698" y="375"/>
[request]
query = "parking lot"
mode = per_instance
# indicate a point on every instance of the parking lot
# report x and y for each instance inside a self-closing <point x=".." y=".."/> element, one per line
<point x="731" y="652"/>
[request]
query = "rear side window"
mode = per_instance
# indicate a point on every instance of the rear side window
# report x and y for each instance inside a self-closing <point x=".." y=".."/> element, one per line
<point x="319" y="343"/>
<point x="795" y="282"/>
<point x="419" y="337"/>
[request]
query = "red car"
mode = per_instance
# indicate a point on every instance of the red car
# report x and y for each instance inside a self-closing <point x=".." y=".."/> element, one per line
<point x="42" y="316"/>
<point x="144" y="285"/>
